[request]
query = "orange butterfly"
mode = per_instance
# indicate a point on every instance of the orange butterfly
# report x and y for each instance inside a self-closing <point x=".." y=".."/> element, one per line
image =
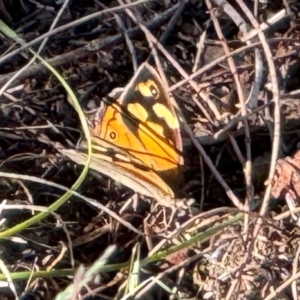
<point x="140" y="132"/>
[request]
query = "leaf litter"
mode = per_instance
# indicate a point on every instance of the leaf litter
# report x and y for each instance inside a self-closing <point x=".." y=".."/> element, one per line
<point x="230" y="106"/>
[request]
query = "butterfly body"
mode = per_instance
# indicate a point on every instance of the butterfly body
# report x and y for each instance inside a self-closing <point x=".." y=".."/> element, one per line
<point x="143" y="125"/>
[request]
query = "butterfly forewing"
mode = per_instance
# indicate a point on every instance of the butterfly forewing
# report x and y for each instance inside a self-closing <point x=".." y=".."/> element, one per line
<point x="156" y="123"/>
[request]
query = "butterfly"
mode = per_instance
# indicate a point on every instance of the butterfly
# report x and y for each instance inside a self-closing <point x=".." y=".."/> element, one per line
<point x="139" y="135"/>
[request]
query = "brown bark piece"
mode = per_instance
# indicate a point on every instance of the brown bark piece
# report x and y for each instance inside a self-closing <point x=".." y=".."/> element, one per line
<point x="287" y="178"/>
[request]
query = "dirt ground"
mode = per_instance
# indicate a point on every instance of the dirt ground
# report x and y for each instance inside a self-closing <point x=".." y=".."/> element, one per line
<point x="233" y="69"/>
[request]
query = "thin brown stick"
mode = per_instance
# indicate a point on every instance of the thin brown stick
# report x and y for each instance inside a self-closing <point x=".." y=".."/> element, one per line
<point x="275" y="90"/>
<point x="173" y="21"/>
<point x="213" y="169"/>
<point x="277" y="291"/>
<point x="200" y="49"/>
<point x="128" y="42"/>
<point x="247" y="166"/>
<point x="295" y="268"/>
